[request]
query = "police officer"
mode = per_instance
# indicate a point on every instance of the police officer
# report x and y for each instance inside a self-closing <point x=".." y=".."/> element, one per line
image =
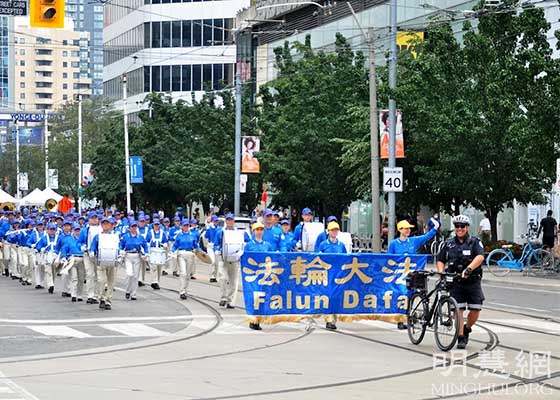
<point x="464" y="255"/>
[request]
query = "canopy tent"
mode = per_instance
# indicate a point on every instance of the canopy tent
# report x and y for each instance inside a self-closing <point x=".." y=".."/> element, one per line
<point x="48" y="193"/>
<point x="6" y="198"/>
<point x="35" y="198"/>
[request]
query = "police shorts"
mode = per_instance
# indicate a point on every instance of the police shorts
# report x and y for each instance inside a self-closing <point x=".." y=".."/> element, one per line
<point x="468" y="295"/>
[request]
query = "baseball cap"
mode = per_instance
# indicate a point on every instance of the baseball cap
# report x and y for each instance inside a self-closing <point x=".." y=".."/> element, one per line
<point x="333" y="225"/>
<point x="331" y="218"/>
<point x="284" y="222"/>
<point x="267" y="212"/>
<point x="404" y="224"/>
<point x="306" y="211"/>
<point x="230" y="216"/>
<point x="133" y="223"/>
<point x="185" y="222"/>
<point x="213" y="218"/>
<point x="156" y="221"/>
<point x="257" y="225"/>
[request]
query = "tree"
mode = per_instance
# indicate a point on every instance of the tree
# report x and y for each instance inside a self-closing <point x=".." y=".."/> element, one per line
<point x="304" y="113"/>
<point x="477" y="115"/>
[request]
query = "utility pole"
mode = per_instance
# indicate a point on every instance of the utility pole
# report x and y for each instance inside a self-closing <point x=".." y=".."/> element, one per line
<point x="374" y="135"/>
<point x="79" y="204"/>
<point x="17" y="161"/>
<point x="374" y="144"/>
<point x="46" y="151"/>
<point x="126" y="154"/>
<point x="236" y="200"/>
<point x="392" y="111"/>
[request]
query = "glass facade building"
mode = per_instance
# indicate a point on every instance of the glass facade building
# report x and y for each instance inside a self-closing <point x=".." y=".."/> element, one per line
<point x="5" y="64"/>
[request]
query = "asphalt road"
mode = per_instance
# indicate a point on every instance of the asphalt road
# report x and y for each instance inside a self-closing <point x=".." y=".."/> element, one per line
<point x="162" y="348"/>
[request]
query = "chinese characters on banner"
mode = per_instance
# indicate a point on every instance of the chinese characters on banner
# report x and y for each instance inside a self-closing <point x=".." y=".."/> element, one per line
<point x="384" y="133"/>
<point x="250" y="145"/>
<point x="291" y="286"/>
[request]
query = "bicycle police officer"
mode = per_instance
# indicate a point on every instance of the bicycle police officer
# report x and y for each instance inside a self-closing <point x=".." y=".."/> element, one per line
<point x="464" y="255"/>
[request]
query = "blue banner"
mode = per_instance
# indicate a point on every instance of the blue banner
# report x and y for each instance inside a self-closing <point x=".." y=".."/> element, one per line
<point x="291" y="286"/>
<point x="136" y="170"/>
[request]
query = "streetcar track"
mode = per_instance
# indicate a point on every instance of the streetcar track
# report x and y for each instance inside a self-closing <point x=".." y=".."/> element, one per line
<point x="100" y="350"/>
<point x="541" y="317"/>
<point x="520" y="328"/>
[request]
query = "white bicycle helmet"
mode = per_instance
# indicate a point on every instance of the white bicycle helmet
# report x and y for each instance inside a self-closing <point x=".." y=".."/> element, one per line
<point x="461" y="219"/>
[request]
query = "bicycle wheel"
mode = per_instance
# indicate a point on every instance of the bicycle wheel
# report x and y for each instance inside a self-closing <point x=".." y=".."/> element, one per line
<point x="416" y="318"/>
<point x="540" y="263"/>
<point x="446" y="324"/>
<point x="495" y="262"/>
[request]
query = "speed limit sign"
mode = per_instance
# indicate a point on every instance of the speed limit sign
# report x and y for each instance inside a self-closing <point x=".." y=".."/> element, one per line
<point x="392" y="179"/>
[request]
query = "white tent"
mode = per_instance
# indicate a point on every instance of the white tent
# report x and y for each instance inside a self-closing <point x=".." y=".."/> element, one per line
<point x="6" y="198"/>
<point x="48" y="193"/>
<point x="35" y="198"/>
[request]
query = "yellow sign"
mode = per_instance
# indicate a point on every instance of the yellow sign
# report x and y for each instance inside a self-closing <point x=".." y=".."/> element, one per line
<point x="405" y="41"/>
<point x="46" y="13"/>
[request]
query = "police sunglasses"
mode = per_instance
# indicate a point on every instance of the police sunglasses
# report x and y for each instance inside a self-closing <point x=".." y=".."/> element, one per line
<point x="460" y="225"/>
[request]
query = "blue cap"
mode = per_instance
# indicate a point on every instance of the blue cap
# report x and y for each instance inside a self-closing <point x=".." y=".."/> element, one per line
<point x="185" y="222"/>
<point x="130" y="213"/>
<point x="67" y="222"/>
<point x="105" y="219"/>
<point x="331" y="218"/>
<point x="30" y="222"/>
<point x="112" y="220"/>
<point x="51" y="226"/>
<point x="230" y="216"/>
<point x="59" y="217"/>
<point x="166" y="219"/>
<point x="117" y="213"/>
<point x="81" y="217"/>
<point x="267" y="212"/>
<point x="133" y="223"/>
<point x="41" y="222"/>
<point x="306" y="211"/>
<point x="155" y="215"/>
<point x="92" y="214"/>
<point x="76" y="226"/>
<point x="213" y="218"/>
<point x="33" y="215"/>
<point x="156" y="221"/>
<point x="254" y="219"/>
<point x="141" y="212"/>
<point x="109" y="210"/>
<point x="276" y="213"/>
<point x="15" y="221"/>
<point x="284" y="222"/>
<point x="194" y="221"/>
<point x="176" y="218"/>
<point x="146" y="217"/>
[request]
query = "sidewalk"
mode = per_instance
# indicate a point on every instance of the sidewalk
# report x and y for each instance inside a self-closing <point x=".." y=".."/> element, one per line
<point x="515" y="278"/>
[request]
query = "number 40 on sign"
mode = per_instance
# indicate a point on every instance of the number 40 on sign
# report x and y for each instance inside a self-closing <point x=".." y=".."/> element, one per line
<point x="392" y="179"/>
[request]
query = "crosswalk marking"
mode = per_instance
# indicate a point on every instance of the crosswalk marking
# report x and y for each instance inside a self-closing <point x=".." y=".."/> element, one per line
<point x="8" y="386"/>
<point x="4" y="389"/>
<point x="59" y="330"/>
<point x="135" y="330"/>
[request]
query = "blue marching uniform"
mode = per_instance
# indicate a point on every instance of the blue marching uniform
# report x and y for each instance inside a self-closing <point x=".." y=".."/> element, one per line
<point x="327" y="246"/>
<point x="255" y="245"/>
<point x="411" y="244"/>
<point x="275" y="237"/>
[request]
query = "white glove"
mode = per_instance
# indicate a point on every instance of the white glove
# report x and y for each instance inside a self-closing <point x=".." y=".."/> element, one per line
<point x="165" y="246"/>
<point x="122" y="253"/>
<point x="435" y="223"/>
<point x="43" y="250"/>
<point x="298" y="244"/>
<point x="83" y="248"/>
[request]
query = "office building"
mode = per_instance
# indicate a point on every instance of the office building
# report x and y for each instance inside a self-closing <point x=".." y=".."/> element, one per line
<point x="183" y="48"/>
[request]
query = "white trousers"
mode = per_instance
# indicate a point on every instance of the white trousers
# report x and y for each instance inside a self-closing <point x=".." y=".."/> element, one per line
<point x="13" y="266"/>
<point x="229" y="277"/>
<point x="106" y="276"/>
<point x="77" y="273"/>
<point x="90" y="266"/>
<point x="132" y="265"/>
<point x="185" y="264"/>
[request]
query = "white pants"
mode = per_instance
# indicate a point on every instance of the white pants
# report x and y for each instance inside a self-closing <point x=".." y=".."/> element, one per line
<point x="214" y="265"/>
<point x="229" y="277"/>
<point x="172" y="263"/>
<point x="21" y="262"/>
<point x="28" y="264"/>
<point x="91" y="276"/>
<point x="14" y="260"/>
<point x="132" y="267"/>
<point x="6" y="254"/>
<point x="77" y="273"/>
<point x="185" y="264"/>
<point x="106" y="276"/>
<point x="38" y="268"/>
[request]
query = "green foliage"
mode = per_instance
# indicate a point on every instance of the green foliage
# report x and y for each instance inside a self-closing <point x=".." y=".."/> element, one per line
<point x="305" y="113"/>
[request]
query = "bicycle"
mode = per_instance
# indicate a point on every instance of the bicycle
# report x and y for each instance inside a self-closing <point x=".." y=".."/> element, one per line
<point x="534" y="260"/>
<point x="442" y="314"/>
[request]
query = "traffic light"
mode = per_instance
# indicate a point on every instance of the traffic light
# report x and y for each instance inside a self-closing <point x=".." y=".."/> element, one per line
<point x="47" y="13"/>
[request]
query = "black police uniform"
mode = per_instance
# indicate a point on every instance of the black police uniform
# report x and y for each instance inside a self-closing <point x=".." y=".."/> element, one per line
<point x="458" y="256"/>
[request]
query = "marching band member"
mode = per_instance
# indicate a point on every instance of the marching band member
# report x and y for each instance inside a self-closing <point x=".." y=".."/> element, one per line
<point x="288" y="241"/>
<point x="257" y="244"/>
<point x="105" y="248"/>
<point x="332" y="245"/>
<point x="5" y="225"/>
<point x="166" y="228"/>
<point x="157" y="241"/>
<point x="143" y="230"/>
<point x="173" y="232"/>
<point x="35" y="263"/>
<point x="64" y="235"/>
<point x="134" y="249"/>
<point x="210" y="235"/>
<point x="87" y="234"/>
<point x="228" y="264"/>
<point x="195" y="231"/>
<point x="72" y="251"/>
<point x="12" y="237"/>
<point x="183" y="246"/>
<point x="307" y="216"/>
<point x="23" y="252"/>
<point x="46" y="247"/>
<point x="273" y="234"/>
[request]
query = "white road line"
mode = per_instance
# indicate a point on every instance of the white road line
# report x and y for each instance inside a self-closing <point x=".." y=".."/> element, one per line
<point x="521" y="289"/>
<point x="58" y="330"/>
<point x="25" y="395"/>
<point x="5" y="389"/>
<point x="378" y="324"/>
<point x="518" y="307"/>
<point x="544" y="326"/>
<point x="70" y="321"/>
<point x="135" y="330"/>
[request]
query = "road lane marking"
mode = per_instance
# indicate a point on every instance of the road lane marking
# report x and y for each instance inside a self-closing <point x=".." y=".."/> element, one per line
<point x="522" y="289"/>
<point x="5" y="389"/>
<point x="15" y="388"/>
<point x="58" y="330"/>
<point x="70" y="321"/>
<point x="518" y="307"/>
<point x="135" y="330"/>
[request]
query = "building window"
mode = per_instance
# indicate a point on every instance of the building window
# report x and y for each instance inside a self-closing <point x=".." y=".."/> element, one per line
<point x="156" y="83"/>
<point x="176" y="78"/>
<point x="64" y="86"/>
<point x="187" y="34"/>
<point x="186" y="78"/>
<point x="64" y="64"/>
<point x="64" y="53"/>
<point x="207" y="29"/>
<point x="156" y="34"/>
<point x="22" y="85"/>
<point x="65" y="75"/>
<point x="43" y="84"/>
<point x="176" y="34"/>
<point x="196" y="77"/>
<point x="165" y="78"/>
<point x="166" y="34"/>
<point x="22" y="63"/>
<point x="197" y="33"/>
<point x="22" y="74"/>
<point x="22" y="95"/>
<point x="22" y="52"/>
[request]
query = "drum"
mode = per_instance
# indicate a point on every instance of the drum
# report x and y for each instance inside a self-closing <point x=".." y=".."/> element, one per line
<point x="158" y="256"/>
<point x="346" y="239"/>
<point x="108" y="249"/>
<point x="309" y="234"/>
<point x="233" y="245"/>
